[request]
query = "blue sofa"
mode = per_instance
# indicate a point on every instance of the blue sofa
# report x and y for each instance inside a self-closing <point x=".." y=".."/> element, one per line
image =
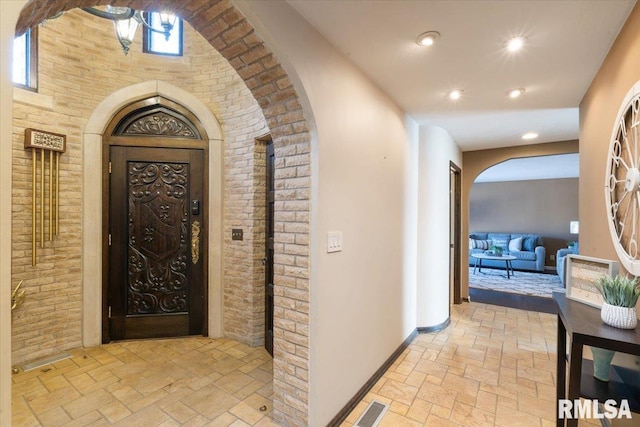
<point x="527" y="248"/>
<point x="561" y="260"/>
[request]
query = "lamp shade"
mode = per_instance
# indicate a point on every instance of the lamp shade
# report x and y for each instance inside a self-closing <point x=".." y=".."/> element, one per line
<point x="574" y="227"/>
<point x="126" y="32"/>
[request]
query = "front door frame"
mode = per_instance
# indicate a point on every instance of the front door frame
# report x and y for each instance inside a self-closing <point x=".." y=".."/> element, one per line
<point x="92" y="205"/>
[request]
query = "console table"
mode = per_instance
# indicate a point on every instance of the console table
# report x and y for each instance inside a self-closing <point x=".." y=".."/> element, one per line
<point x="583" y="325"/>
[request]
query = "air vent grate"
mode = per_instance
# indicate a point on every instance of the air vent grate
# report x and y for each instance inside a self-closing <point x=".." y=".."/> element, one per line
<point x="372" y="415"/>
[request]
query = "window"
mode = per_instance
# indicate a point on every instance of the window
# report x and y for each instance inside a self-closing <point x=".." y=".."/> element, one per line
<point x="25" y="59"/>
<point x="155" y="42"/>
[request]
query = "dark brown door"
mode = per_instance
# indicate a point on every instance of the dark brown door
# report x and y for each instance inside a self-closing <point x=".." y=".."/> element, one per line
<point x="156" y="232"/>
<point x="268" y="279"/>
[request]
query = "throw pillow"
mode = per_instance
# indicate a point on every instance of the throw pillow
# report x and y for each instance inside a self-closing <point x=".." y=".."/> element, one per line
<point x="483" y="244"/>
<point x="501" y="243"/>
<point x="515" y="244"/>
<point x="529" y="243"/>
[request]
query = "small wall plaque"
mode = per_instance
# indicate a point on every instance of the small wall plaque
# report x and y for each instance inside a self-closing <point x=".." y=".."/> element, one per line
<point x="45" y="140"/>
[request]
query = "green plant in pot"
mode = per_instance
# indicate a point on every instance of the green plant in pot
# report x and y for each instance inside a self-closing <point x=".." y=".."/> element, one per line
<point x="497" y="250"/>
<point x="620" y="294"/>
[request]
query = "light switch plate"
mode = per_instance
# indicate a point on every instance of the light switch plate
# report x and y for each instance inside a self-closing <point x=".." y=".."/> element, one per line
<point x="334" y="241"/>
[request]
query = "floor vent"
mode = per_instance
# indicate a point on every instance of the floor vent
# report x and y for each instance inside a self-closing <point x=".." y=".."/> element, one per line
<point x="45" y="361"/>
<point x="372" y="415"/>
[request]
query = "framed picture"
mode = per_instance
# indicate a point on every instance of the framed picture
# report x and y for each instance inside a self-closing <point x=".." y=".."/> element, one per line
<point x="582" y="272"/>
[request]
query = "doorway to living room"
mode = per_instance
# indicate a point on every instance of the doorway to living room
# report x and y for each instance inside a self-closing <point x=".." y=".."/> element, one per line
<point x="520" y="212"/>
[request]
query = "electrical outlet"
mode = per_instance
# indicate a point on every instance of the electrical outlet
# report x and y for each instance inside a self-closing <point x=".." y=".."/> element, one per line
<point x="552" y="257"/>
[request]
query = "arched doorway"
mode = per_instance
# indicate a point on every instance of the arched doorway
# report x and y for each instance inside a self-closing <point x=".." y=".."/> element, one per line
<point x="154" y="281"/>
<point x="260" y="70"/>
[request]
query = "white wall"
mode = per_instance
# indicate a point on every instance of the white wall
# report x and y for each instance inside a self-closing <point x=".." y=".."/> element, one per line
<point x="361" y="308"/>
<point x="436" y="149"/>
<point x="8" y="19"/>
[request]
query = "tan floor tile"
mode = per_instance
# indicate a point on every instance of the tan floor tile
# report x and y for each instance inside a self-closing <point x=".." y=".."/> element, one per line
<point x="436" y="421"/>
<point x="246" y="413"/>
<point x="54" y="417"/>
<point x="52" y="400"/>
<point x="471" y="417"/>
<point x="398" y="391"/>
<point x="88" y="403"/>
<point x="437" y="394"/>
<point x="391" y="419"/>
<point x="419" y="410"/>
<point x="487" y="401"/>
<point x="506" y="417"/>
<point x="115" y="411"/>
<point x="481" y="375"/>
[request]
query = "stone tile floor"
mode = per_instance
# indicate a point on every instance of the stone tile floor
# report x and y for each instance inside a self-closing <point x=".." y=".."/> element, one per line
<point x="191" y="381"/>
<point x="493" y="366"/>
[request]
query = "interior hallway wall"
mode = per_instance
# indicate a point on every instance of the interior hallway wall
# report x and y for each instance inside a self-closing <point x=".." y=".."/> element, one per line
<point x="436" y="150"/>
<point x="361" y="309"/>
<point x="598" y="109"/>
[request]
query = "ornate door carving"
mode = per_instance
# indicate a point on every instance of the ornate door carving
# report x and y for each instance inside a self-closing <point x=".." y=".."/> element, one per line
<point x="156" y="287"/>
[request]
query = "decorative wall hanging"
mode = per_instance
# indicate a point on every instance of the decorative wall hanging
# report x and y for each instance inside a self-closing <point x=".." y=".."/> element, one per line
<point x="622" y="182"/>
<point x="55" y="144"/>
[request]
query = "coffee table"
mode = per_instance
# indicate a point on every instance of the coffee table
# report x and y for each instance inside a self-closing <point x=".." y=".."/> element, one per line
<point x="506" y="258"/>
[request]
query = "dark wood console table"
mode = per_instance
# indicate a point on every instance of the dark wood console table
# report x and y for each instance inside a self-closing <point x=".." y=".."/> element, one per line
<point x="583" y="325"/>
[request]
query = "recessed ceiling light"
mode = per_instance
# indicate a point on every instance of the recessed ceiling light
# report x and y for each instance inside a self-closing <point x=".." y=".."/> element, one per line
<point x="455" y="94"/>
<point x="515" y="93"/>
<point x="515" y="44"/>
<point x="428" y="38"/>
<point x="530" y="135"/>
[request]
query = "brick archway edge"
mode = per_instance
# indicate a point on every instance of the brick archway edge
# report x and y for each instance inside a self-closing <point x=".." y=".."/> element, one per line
<point x="228" y="31"/>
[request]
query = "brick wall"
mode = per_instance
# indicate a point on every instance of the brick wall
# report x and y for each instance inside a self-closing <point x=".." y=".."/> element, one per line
<point x="77" y="75"/>
<point x="231" y="35"/>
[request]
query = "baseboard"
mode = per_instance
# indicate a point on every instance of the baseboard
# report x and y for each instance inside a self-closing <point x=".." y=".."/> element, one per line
<point x="434" y="328"/>
<point x="353" y="402"/>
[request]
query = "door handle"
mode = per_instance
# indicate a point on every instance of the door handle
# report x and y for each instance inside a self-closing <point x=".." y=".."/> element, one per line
<point x="195" y="242"/>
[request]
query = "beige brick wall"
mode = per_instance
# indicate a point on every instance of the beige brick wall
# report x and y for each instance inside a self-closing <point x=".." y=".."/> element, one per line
<point x="230" y="34"/>
<point x="77" y="75"/>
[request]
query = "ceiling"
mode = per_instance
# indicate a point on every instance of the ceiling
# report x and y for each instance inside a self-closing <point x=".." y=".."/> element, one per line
<point x="529" y="168"/>
<point x="566" y="41"/>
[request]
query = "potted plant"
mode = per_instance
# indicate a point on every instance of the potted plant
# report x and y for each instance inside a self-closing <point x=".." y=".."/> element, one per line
<point x="497" y="250"/>
<point x="620" y="294"/>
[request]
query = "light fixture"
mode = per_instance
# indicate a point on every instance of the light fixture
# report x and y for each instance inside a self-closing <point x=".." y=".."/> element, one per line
<point x="126" y="21"/>
<point x="515" y="44"/>
<point x="455" y="94"/>
<point x="428" y="38"/>
<point x="530" y="135"/>
<point x="574" y="227"/>
<point x="515" y="93"/>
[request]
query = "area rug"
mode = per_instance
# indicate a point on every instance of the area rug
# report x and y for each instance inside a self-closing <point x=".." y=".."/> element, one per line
<point x="522" y="282"/>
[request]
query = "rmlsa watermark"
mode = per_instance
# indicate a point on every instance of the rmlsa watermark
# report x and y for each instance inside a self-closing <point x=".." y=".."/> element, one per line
<point x="587" y="408"/>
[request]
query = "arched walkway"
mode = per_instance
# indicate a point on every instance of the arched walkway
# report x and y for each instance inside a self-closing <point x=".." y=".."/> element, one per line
<point x="232" y="35"/>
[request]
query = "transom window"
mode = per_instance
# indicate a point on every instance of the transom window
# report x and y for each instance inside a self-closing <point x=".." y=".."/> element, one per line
<point x="25" y="59"/>
<point x="156" y="43"/>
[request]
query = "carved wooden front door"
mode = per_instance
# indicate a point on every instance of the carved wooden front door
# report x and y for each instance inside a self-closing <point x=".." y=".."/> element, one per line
<point x="156" y="230"/>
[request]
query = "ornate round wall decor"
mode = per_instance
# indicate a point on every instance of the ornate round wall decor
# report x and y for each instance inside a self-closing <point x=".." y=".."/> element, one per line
<point x="622" y="182"/>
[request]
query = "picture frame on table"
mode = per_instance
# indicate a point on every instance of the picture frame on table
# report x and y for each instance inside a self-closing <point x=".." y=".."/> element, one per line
<point x="582" y="272"/>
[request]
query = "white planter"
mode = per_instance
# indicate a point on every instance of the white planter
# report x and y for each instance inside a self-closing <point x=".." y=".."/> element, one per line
<point x="619" y="317"/>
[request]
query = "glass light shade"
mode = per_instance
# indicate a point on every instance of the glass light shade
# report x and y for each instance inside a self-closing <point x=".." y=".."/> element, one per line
<point x="574" y="227"/>
<point x="126" y="32"/>
<point x="167" y="20"/>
